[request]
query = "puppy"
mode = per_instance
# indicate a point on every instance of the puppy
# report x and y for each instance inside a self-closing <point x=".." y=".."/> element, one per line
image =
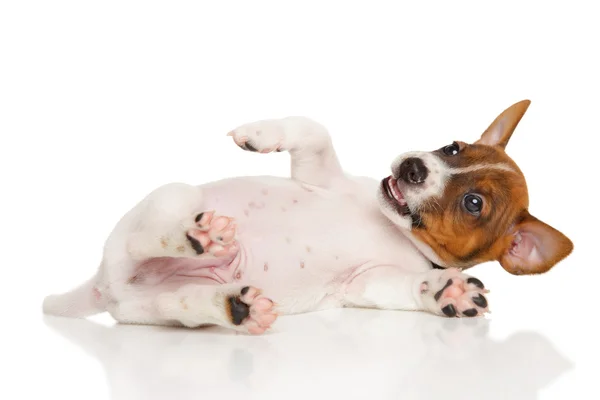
<point x="239" y="252"/>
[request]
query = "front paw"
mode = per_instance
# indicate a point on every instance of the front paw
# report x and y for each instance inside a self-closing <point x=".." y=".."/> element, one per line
<point x="262" y="136"/>
<point x="453" y="294"/>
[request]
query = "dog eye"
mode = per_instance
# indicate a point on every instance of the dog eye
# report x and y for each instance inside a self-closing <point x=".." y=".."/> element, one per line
<point x="451" y="149"/>
<point x="473" y="203"/>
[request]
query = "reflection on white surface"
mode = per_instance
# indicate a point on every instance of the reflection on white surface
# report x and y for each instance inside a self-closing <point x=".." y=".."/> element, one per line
<point x="334" y="354"/>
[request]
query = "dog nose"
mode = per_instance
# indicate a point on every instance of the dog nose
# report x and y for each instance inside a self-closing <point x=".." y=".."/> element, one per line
<point x="413" y="170"/>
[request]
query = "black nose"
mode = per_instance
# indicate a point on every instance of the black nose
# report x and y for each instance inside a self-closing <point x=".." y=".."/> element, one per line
<point x="413" y="170"/>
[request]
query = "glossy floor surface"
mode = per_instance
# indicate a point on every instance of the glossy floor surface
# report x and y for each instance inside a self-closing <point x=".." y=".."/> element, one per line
<point x="356" y="354"/>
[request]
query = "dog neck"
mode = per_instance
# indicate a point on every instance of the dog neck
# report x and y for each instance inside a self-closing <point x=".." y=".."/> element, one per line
<point x="426" y="251"/>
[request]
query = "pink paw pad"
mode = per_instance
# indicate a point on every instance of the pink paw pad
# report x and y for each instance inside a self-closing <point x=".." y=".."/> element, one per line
<point x="457" y="294"/>
<point x="213" y="235"/>
<point x="253" y="311"/>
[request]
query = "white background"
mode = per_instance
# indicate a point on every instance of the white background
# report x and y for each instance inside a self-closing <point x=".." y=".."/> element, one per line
<point x="101" y="102"/>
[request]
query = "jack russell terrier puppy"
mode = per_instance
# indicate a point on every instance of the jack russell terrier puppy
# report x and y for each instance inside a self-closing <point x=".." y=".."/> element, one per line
<point x="239" y="252"/>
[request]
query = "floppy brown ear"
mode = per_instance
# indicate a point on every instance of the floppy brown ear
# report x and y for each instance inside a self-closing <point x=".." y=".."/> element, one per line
<point x="500" y="131"/>
<point x="536" y="247"/>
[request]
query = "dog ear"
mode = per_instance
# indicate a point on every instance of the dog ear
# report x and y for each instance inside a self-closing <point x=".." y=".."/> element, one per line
<point x="500" y="131"/>
<point x="535" y="247"/>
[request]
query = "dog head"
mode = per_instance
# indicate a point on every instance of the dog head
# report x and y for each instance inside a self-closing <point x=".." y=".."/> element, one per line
<point x="464" y="204"/>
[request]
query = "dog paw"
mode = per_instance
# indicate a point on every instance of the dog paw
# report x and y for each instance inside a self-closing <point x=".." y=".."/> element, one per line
<point x="262" y="136"/>
<point x="251" y="311"/>
<point x="214" y="235"/>
<point x="454" y="294"/>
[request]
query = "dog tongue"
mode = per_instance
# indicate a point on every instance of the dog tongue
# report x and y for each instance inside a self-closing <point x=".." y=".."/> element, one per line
<point x="394" y="187"/>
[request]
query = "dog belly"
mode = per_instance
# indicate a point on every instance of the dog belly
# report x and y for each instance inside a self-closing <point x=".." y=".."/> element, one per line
<point x="299" y="244"/>
<point x="302" y="242"/>
<point x="281" y="222"/>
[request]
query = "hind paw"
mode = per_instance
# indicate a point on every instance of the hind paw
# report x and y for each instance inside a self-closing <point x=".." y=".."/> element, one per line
<point x="214" y="235"/>
<point x="251" y="310"/>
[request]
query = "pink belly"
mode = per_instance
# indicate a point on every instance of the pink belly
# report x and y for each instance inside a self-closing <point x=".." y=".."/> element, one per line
<point x="169" y="270"/>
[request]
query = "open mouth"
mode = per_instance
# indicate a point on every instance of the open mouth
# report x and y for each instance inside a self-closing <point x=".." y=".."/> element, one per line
<point x="394" y="196"/>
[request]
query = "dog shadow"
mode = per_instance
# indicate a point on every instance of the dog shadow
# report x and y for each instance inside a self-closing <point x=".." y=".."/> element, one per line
<point x="348" y="353"/>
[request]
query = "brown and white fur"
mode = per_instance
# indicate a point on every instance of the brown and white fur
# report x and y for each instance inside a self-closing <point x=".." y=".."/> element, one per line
<point x="239" y="252"/>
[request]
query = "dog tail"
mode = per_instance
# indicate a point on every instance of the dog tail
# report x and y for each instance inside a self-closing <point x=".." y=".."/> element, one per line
<point x="83" y="301"/>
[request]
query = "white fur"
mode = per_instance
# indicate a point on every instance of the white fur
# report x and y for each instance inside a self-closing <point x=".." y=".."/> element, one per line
<point x="328" y="239"/>
<point x="478" y="167"/>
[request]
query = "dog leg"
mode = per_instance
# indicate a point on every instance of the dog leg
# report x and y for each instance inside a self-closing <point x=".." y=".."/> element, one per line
<point x="313" y="157"/>
<point x="241" y="308"/>
<point x="442" y="292"/>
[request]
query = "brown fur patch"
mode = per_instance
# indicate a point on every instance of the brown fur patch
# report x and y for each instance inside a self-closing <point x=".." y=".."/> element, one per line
<point x="460" y="238"/>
